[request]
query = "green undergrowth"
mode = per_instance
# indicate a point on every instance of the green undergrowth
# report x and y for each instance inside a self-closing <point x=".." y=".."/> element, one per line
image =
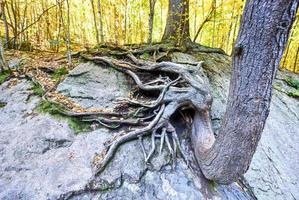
<point x="293" y="93"/>
<point x="294" y="84"/>
<point x="59" y="73"/>
<point x="4" y="75"/>
<point x="2" y="105"/>
<point x="145" y="56"/>
<point x="212" y="185"/>
<point x="54" y="110"/>
<point x="37" y="90"/>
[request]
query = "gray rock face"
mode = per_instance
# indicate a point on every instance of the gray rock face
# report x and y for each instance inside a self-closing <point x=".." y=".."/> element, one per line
<point x="42" y="158"/>
<point x="94" y="86"/>
<point x="274" y="171"/>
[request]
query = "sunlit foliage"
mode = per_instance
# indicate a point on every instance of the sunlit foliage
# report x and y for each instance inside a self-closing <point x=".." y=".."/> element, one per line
<point x="124" y="22"/>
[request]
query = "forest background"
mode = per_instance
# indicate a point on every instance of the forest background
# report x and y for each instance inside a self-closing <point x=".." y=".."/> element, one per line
<point x="47" y="24"/>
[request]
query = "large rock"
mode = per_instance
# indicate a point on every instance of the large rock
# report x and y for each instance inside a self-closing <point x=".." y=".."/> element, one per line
<point x="42" y="158"/>
<point x="94" y="86"/>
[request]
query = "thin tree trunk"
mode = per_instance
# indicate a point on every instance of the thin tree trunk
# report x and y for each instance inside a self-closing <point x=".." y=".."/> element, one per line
<point x="15" y="23"/>
<point x="2" y="3"/>
<point x="95" y="22"/>
<point x="101" y="21"/>
<point x="126" y="16"/>
<point x="129" y="27"/>
<point x="151" y="20"/>
<point x="60" y="23"/>
<point x="115" y="16"/>
<point x="262" y="38"/>
<point x="235" y="29"/>
<point x="214" y="22"/>
<point x="203" y="17"/>
<point x="3" y="63"/>
<point x="206" y="19"/>
<point x="195" y="16"/>
<point x="139" y="27"/>
<point x="296" y="60"/>
<point x="161" y="13"/>
<point x="68" y="35"/>
<point x="230" y="27"/>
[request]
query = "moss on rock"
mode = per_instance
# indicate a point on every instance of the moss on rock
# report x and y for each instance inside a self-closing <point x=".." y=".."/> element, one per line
<point x="54" y="110"/>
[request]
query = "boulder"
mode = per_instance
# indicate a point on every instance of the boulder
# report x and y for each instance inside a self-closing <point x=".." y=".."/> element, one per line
<point x="94" y="86"/>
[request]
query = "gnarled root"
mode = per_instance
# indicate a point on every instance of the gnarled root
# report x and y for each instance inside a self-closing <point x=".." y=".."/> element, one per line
<point x="186" y="90"/>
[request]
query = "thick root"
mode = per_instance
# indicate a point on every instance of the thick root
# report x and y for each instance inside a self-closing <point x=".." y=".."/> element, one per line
<point x="168" y="87"/>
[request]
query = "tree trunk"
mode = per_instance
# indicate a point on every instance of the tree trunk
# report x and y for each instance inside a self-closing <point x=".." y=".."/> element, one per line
<point x="3" y="63"/>
<point x="95" y="22"/>
<point x="151" y="20"/>
<point x="101" y="21"/>
<point x="263" y="35"/>
<point x="60" y="23"/>
<point x="177" y="24"/>
<point x="15" y="23"/>
<point x="2" y="2"/>
<point x="68" y="35"/>
<point x="126" y="17"/>
<point x="296" y="59"/>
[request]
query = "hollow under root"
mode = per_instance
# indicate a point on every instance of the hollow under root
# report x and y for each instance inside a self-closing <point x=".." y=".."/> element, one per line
<point x="160" y="127"/>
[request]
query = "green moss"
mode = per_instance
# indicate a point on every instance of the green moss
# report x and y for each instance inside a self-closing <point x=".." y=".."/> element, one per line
<point x="213" y="185"/>
<point x="54" y="110"/>
<point x="38" y="90"/>
<point x="277" y="86"/>
<point x="4" y="75"/>
<point x="59" y="73"/>
<point x="292" y="82"/>
<point x="79" y="126"/>
<point x="145" y="56"/>
<point x="48" y="107"/>
<point x="293" y="93"/>
<point x="2" y="104"/>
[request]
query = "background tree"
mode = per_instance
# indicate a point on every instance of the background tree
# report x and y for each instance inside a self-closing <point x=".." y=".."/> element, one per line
<point x="151" y="20"/>
<point x="177" y="24"/>
<point x="2" y="7"/>
<point x="68" y="34"/>
<point x="257" y="53"/>
<point x="101" y="21"/>
<point x="3" y="64"/>
<point x="95" y="21"/>
<point x="38" y="24"/>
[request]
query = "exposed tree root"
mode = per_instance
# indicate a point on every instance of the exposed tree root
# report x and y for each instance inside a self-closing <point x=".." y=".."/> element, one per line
<point x="167" y="88"/>
<point x="181" y="87"/>
<point x="158" y="50"/>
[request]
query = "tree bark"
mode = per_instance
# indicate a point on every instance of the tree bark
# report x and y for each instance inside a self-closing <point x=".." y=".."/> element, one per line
<point x="95" y="22"/>
<point x="177" y="24"/>
<point x="2" y="2"/>
<point x="151" y="20"/>
<point x="68" y="35"/>
<point x="262" y="38"/>
<point x="101" y="21"/>
<point x="3" y="63"/>
<point x="296" y="59"/>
